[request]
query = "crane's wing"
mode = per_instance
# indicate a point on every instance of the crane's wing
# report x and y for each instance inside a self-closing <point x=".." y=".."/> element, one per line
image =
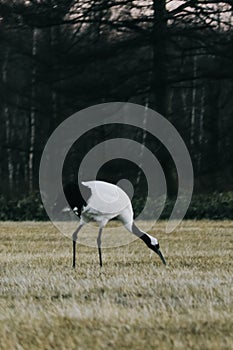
<point x="106" y="198"/>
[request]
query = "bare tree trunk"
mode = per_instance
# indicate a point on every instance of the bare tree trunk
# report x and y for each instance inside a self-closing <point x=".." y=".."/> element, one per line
<point x="201" y="127"/>
<point x="32" y="117"/>
<point x="194" y="98"/>
<point x="159" y="78"/>
<point x="53" y="41"/>
<point x="143" y="140"/>
<point x="16" y="134"/>
<point x="170" y="97"/>
<point x="9" y="154"/>
<point x="6" y="112"/>
<point x="184" y="90"/>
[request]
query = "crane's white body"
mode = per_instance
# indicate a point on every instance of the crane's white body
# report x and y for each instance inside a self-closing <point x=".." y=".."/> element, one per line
<point x="106" y="202"/>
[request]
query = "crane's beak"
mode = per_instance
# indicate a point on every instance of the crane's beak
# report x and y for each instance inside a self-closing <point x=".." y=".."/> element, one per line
<point x="161" y="256"/>
<point x="158" y="251"/>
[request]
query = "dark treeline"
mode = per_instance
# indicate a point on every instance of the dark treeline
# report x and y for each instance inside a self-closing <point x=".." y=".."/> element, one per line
<point x="60" y="56"/>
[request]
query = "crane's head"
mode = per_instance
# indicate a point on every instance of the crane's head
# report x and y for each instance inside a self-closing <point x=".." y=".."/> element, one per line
<point x="154" y="245"/>
<point x="150" y="241"/>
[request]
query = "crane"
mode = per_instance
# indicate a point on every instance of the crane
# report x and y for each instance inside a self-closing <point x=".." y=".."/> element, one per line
<point x="106" y="201"/>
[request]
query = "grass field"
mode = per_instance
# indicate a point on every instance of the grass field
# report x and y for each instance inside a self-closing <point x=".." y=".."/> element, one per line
<point x="134" y="302"/>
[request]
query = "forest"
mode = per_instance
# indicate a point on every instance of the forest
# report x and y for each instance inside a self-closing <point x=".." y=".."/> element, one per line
<point x="61" y="56"/>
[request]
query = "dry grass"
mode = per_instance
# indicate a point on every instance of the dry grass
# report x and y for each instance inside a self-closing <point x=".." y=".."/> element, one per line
<point x="133" y="303"/>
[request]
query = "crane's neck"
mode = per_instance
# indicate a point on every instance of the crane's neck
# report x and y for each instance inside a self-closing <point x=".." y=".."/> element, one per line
<point x="145" y="237"/>
<point x="149" y="240"/>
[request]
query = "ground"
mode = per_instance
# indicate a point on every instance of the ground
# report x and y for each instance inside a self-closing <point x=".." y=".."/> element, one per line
<point x="133" y="302"/>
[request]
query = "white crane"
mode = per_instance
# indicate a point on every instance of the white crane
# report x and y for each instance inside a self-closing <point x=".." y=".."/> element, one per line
<point x="107" y="201"/>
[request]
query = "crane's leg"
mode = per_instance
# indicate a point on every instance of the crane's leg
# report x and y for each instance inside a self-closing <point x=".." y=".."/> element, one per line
<point x="75" y="235"/>
<point x="99" y="245"/>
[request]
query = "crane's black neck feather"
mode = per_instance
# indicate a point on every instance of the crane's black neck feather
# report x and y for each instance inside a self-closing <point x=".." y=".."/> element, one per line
<point x="143" y="236"/>
<point x="77" y="196"/>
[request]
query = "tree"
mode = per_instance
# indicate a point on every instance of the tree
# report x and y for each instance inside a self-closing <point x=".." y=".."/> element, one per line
<point x="61" y="56"/>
